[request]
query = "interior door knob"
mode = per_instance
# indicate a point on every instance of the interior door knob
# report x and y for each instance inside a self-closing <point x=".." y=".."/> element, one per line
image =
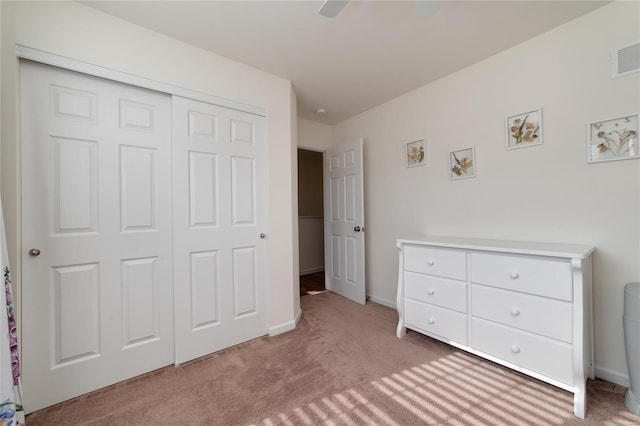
<point x="263" y="235"/>
<point x="357" y="229"/>
<point x="34" y="252"/>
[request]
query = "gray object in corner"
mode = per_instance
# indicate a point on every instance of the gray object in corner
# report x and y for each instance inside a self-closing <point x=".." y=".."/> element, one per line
<point x="632" y="344"/>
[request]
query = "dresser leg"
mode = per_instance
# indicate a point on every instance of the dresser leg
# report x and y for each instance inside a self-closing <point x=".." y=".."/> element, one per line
<point x="580" y="401"/>
<point x="401" y="332"/>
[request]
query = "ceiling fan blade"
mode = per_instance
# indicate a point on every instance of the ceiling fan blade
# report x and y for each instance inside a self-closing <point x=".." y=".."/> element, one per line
<point x="427" y="8"/>
<point x="331" y="8"/>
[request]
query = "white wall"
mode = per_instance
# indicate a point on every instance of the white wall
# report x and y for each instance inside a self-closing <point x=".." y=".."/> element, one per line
<point x="315" y="136"/>
<point x="78" y="32"/>
<point x="311" y="244"/>
<point x="541" y="193"/>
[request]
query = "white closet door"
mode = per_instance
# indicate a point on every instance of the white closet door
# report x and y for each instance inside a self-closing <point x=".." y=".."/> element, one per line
<point x="97" y="303"/>
<point x="219" y="199"/>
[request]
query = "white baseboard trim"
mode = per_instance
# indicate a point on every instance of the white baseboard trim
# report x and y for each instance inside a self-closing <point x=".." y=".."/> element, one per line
<point x="282" y="328"/>
<point x="285" y="326"/>
<point x="612" y="376"/>
<point x="312" y="270"/>
<point x="384" y="302"/>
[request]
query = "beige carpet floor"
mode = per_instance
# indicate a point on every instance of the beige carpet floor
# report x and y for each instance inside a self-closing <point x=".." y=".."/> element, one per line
<point x="342" y="366"/>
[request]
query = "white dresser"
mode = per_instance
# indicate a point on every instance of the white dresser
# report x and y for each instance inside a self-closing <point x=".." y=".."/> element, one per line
<point x="524" y="305"/>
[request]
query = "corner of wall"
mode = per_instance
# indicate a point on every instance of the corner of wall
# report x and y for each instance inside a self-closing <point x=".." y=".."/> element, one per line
<point x="612" y="376"/>
<point x="9" y="149"/>
<point x="294" y="200"/>
<point x="286" y="326"/>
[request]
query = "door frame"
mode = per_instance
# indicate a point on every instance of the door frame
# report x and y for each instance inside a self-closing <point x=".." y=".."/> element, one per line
<point x="324" y="208"/>
<point x="24" y="52"/>
<point x="324" y="228"/>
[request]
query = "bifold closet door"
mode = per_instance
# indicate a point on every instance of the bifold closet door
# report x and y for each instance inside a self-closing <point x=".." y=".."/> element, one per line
<point x="97" y="297"/>
<point x="220" y="247"/>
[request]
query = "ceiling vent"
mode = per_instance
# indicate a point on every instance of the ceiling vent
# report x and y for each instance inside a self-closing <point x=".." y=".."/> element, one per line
<point x="625" y="60"/>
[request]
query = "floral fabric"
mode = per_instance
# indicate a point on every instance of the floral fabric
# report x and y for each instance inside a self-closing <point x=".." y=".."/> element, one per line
<point x="11" y="410"/>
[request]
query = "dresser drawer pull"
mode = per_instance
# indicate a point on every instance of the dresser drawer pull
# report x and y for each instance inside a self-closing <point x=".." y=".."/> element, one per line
<point x="515" y="312"/>
<point x="431" y="291"/>
<point x="432" y="320"/>
<point x="515" y="275"/>
<point x="515" y="349"/>
<point x="431" y="262"/>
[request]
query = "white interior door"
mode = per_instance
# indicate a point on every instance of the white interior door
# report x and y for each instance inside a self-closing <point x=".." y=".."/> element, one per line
<point x="220" y="250"/>
<point x="97" y="303"/>
<point x="344" y="221"/>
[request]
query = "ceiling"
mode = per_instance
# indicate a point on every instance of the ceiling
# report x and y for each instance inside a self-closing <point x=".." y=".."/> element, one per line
<point x="372" y="52"/>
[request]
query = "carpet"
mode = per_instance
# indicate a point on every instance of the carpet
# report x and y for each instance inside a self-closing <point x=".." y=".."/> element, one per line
<point x="342" y="365"/>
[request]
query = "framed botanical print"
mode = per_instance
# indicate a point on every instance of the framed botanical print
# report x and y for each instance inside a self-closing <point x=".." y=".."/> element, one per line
<point x="415" y="154"/>
<point x="524" y="129"/>
<point x="613" y="139"/>
<point x="462" y="164"/>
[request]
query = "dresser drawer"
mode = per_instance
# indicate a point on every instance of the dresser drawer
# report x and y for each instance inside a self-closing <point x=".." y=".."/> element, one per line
<point x="436" y="261"/>
<point x="449" y="325"/>
<point x="536" y="353"/>
<point x="437" y="291"/>
<point x="534" y="275"/>
<point x="548" y="317"/>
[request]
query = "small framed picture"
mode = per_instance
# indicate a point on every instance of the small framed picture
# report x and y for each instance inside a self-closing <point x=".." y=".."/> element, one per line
<point x="613" y="139"/>
<point x="415" y="154"/>
<point x="462" y="164"/>
<point x="524" y="129"/>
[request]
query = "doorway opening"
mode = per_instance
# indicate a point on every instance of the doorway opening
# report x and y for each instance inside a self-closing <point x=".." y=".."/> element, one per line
<point x="311" y="221"/>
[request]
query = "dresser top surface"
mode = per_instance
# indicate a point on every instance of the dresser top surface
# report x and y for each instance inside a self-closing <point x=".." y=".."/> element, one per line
<point x="573" y="251"/>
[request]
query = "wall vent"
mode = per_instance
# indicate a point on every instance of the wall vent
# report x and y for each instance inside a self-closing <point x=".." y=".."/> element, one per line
<point x="625" y="60"/>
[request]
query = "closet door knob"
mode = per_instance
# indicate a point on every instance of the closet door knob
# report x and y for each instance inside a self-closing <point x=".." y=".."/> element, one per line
<point x="263" y="235"/>
<point x="357" y="229"/>
<point x="34" y="252"/>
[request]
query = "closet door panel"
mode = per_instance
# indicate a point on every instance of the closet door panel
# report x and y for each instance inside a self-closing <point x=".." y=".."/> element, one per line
<point x="97" y="302"/>
<point x="219" y="198"/>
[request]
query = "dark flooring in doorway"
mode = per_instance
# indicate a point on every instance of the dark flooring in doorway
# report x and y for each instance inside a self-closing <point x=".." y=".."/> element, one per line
<point x="311" y="284"/>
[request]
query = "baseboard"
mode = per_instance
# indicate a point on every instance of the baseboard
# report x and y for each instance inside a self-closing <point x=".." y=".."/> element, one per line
<point x="384" y="302"/>
<point x="282" y="328"/>
<point x="312" y="270"/>
<point x="285" y="326"/>
<point x="612" y="376"/>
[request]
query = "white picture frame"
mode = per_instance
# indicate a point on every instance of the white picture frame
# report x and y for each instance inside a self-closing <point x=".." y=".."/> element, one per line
<point x="462" y="163"/>
<point x="415" y="153"/>
<point x="524" y="129"/>
<point x="613" y="139"/>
